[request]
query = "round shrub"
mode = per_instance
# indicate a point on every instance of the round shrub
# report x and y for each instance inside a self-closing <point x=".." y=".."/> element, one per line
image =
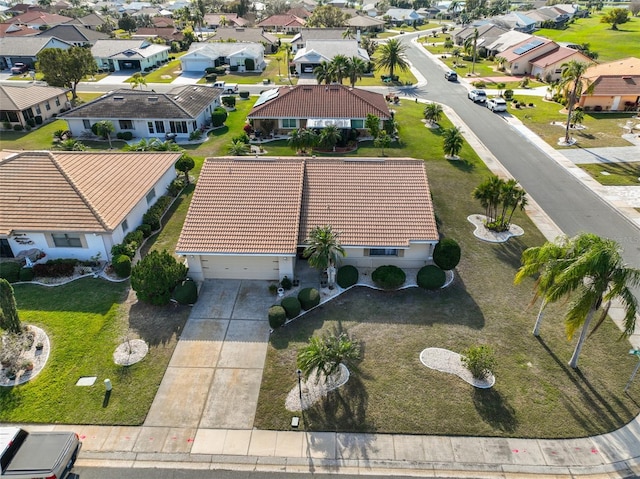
<point x="244" y="95"/>
<point x="431" y="277"/>
<point x="389" y="277"/>
<point x="286" y="283"/>
<point x="446" y="254"/>
<point x="347" y="276"/>
<point x="186" y="292"/>
<point x="122" y="266"/>
<point x="292" y="306"/>
<point x="218" y="117"/>
<point x="26" y="274"/>
<point x="9" y="271"/>
<point x="127" y="135"/>
<point x="309" y="298"/>
<point x="146" y="230"/>
<point x="277" y="316"/>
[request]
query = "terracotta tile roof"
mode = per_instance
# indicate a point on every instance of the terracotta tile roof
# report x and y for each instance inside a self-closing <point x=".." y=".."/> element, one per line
<point x="75" y="191"/>
<point x="40" y="18"/>
<point x="244" y="206"/>
<point x="626" y="85"/>
<point x="282" y="21"/>
<point x="511" y="55"/>
<point x="626" y="66"/>
<point x="11" y="30"/>
<point x="20" y="97"/>
<point x="322" y="101"/>
<point x="561" y="54"/>
<point x="269" y="206"/>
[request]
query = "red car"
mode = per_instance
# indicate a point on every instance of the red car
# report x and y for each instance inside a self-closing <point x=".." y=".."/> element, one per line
<point x="19" y="68"/>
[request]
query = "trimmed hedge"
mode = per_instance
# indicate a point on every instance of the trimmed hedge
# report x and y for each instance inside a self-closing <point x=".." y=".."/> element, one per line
<point x="26" y="274"/>
<point x="55" y="268"/>
<point x="277" y="316"/>
<point x="229" y="101"/>
<point x="431" y="277"/>
<point x="218" y="117"/>
<point x="122" y="266"/>
<point x="10" y="271"/>
<point x="186" y="292"/>
<point x="146" y="230"/>
<point x="389" y="277"/>
<point x="347" y="276"/>
<point x="446" y="254"/>
<point x="292" y="306"/>
<point x="309" y="298"/>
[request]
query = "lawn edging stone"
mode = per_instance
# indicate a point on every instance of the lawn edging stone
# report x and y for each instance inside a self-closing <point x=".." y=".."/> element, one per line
<point x="484" y="234"/>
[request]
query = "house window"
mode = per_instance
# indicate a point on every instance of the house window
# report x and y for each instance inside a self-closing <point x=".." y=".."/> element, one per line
<point x="10" y="116"/>
<point x="515" y="66"/>
<point x="159" y="126"/>
<point x="383" y="252"/>
<point x="289" y="123"/>
<point x="357" y="123"/>
<point x="150" y="126"/>
<point x="57" y="101"/>
<point x="125" y="226"/>
<point x="178" y="126"/>
<point x="194" y="126"/>
<point x="150" y="196"/>
<point x="86" y="124"/>
<point x="558" y="70"/>
<point x="126" y="124"/>
<point x="38" y="110"/>
<point x="63" y="240"/>
<point x="47" y="106"/>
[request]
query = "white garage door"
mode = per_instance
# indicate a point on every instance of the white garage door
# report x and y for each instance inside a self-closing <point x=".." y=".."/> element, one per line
<point x="195" y="64"/>
<point x="238" y="267"/>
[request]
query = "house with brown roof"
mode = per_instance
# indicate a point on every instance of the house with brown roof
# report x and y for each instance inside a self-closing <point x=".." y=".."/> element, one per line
<point x="77" y="204"/>
<point x="37" y="20"/>
<point x="283" y="23"/>
<point x="29" y="105"/>
<point x="147" y="114"/>
<point x="316" y="106"/>
<point x="549" y="66"/>
<point x="247" y="35"/>
<point x="616" y="86"/>
<point x="250" y="218"/>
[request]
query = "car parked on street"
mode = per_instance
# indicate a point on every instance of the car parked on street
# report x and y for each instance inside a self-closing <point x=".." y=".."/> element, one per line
<point x="496" y="104"/>
<point x="477" y="96"/>
<point x="451" y="75"/>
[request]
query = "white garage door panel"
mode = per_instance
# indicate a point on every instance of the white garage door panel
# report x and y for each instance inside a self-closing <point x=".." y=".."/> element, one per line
<point x="240" y="268"/>
<point x="193" y="65"/>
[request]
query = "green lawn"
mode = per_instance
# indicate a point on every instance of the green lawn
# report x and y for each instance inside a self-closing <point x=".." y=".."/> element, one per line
<point x="609" y="44"/>
<point x="85" y="321"/>
<point x="165" y="74"/>
<point x="536" y="394"/>
<point x="614" y="174"/>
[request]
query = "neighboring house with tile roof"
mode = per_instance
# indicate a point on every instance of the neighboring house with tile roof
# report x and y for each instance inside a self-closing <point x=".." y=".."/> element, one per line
<point x="202" y="55"/>
<point x="11" y="30"/>
<point x="214" y="20"/>
<point x="548" y="67"/>
<point x="515" y="21"/>
<point x="300" y="39"/>
<point x="616" y="86"/>
<point x="519" y="57"/>
<point x="249" y="218"/>
<point x="74" y="34"/>
<point x="92" y="21"/>
<point x="506" y="41"/>
<point x="25" y="49"/>
<point x="487" y="34"/>
<point x="365" y="23"/>
<point x="39" y="19"/>
<point x="245" y="34"/>
<point x="77" y="204"/>
<point x="115" y="55"/>
<point x="168" y="34"/>
<point x="283" y="23"/>
<point x="315" y="106"/>
<point x="400" y="16"/>
<point x="23" y="103"/>
<point x="147" y="114"/>
<point x="317" y="51"/>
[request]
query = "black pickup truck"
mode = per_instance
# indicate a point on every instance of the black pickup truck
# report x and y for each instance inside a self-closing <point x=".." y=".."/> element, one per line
<point x="37" y="455"/>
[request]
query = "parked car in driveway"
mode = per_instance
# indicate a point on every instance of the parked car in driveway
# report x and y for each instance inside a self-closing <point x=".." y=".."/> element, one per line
<point x="19" y="68"/>
<point x="451" y="75"/>
<point x="478" y="96"/>
<point x="496" y="104"/>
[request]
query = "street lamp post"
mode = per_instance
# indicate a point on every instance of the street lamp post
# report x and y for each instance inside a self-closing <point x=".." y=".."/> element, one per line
<point x="299" y="373"/>
<point x="633" y="352"/>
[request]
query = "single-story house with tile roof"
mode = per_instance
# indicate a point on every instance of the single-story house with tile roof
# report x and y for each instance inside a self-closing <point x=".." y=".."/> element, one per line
<point x="77" y="204"/>
<point x="25" y="104"/>
<point x="250" y="218"/>
<point x="115" y="55"/>
<point x="11" y="30"/>
<point x="317" y="51"/>
<point x="365" y="23"/>
<point x="407" y="16"/>
<point x="147" y="114"/>
<point x="75" y="34"/>
<point x="549" y="65"/>
<point x="515" y="21"/>
<point x="283" y="23"/>
<point x="487" y="33"/>
<point x="315" y="106"/>
<point x="25" y="49"/>
<point x="247" y="35"/>
<point x="300" y="39"/>
<point x="168" y="34"/>
<point x="519" y="57"/>
<point x="38" y="20"/>
<point x="213" y="20"/>
<point x="616" y="86"/>
<point x="205" y="55"/>
<point x="506" y="41"/>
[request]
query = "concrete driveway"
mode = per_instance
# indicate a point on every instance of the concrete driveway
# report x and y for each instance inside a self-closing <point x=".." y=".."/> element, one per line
<point x="214" y="375"/>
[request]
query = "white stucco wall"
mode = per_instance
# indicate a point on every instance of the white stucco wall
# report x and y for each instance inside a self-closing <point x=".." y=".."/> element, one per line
<point x="416" y="256"/>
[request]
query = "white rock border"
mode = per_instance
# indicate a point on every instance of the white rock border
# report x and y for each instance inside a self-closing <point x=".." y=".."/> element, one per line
<point x="38" y="358"/>
<point x="130" y="352"/>
<point x="315" y="388"/>
<point x="450" y="362"/>
<point x="485" y="234"/>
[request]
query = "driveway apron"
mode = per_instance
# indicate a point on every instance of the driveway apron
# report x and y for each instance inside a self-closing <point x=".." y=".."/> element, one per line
<point x="214" y="375"/>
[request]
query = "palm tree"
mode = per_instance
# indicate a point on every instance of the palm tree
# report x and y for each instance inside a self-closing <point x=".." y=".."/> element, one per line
<point x="295" y="140"/>
<point x="577" y="117"/>
<point x="488" y="193"/>
<point x="324" y="73"/>
<point x="308" y="139"/>
<point x="238" y="148"/>
<point x="355" y="68"/>
<point x="339" y="67"/>
<point x="323" y="247"/>
<point x="392" y="55"/>
<point x="500" y="61"/>
<point x="137" y="80"/>
<point x="70" y="144"/>
<point x="325" y="354"/>
<point x="573" y="84"/>
<point x="453" y="141"/>
<point x="329" y="136"/>
<point x="104" y="129"/>
<point x="348" y="34"/>
<point x="474" y="49"/>
<point x="433" y="112"/>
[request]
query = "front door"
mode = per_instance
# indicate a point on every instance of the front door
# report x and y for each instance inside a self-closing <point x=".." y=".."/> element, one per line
<point x="5" y="249"/>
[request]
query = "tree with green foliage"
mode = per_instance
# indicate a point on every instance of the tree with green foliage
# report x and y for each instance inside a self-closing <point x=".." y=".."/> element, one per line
<point x="238" y="148"/>
<point x="70" y="144"/>
<point x="155" y="276"/>
<point x="615" y="17"/>
<point x="105" y="128"/>
<point x="382" y="141"/>
<point x="127" y="23"/>
<point x="573" y="84"/>
<point x="9" y="319"/>
<point x="324" y="73"/>
<point x="153" y="145"/>
<point x="433" y="112"/>
<point x="329" y="137"/>
<point x="500" y="199"/>
<point x="356" y="67"/>
<point x="452" y="141"/>
<point x="372" y="123"/>
<point x="323" y="248"/>
<point x="327" y="16"/>
<point x="479" y="360"/>
<point x="323" y="355"/>
<point x="339" y="66"/>
<point x="392" y="55"/>
<point x="185" y="164"/>
<point x="138" y="81"/>
<point x="66" y="68"/>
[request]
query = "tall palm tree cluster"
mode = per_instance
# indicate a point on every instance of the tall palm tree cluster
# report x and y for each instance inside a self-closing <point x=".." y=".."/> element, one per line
<point x="341" y="68"/>
<point x="304" y="139"/>
<point x="590" y="272"/>
<point x="500" y="199"/>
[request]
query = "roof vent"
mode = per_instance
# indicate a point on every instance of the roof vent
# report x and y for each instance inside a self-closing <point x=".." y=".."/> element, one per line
<point x="152" y="98"/>
<point x="118" y="98"/>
